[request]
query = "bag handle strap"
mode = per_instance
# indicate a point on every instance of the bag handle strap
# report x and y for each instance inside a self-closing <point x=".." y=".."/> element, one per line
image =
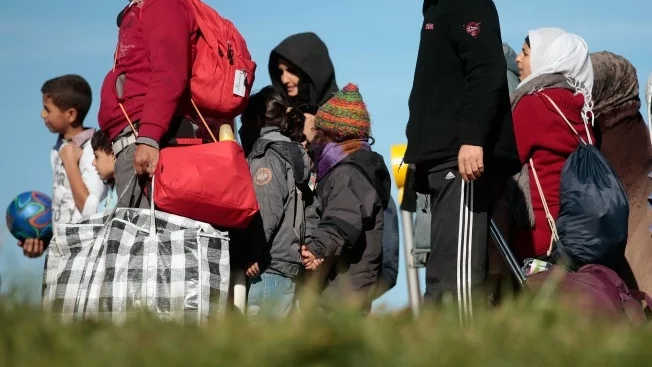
<point x="133" y="128"/>
<point x="201" y="117"/>
<point x="642" y="297"/>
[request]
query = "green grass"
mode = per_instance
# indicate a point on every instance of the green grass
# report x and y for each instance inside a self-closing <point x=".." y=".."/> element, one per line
<point x="514" y="335"/>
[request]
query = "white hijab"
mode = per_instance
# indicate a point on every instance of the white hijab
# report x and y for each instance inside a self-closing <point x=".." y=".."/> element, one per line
<point x="555" y="51"/>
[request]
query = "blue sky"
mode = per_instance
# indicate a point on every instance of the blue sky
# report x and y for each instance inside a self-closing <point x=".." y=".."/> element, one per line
<point x="372" y="43"/>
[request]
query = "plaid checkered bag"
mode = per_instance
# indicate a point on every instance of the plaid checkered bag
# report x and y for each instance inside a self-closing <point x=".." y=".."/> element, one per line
<point x="139" y="259"/>
<point x="65" y="261"/>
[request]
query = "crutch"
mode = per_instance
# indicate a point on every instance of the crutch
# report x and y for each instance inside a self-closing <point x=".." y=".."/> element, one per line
<point x="507" y="253"/>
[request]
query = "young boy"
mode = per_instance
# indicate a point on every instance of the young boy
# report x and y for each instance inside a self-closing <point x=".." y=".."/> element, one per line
<point x="77" y="188"/>
<point x="104" y="164"/>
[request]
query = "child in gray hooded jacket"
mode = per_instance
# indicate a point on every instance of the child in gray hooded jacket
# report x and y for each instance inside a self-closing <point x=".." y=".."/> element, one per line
<point x="271" y="136"/>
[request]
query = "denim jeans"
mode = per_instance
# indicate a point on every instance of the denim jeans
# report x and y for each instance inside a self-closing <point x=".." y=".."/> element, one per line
<point x="270" y="295"/>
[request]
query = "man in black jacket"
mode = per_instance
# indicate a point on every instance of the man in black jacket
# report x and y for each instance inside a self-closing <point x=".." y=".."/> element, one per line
<point x="460" y="138"/>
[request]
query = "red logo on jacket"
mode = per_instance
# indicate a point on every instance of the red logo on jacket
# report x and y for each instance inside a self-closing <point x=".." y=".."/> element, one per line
<point x="473" y="29"/>
<point x="430" y="26"/>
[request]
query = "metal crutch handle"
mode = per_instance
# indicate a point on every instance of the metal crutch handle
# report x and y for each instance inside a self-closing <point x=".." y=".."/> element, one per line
<point x="507" y="254"/>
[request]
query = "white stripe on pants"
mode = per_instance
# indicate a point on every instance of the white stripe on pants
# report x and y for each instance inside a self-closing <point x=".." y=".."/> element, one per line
<point x="464" y="253"/>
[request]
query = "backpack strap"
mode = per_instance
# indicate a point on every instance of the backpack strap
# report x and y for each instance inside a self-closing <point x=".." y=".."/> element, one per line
<point x="124" y="112"/>
<point x="586" y="126"/>
<point x="551" y="221"/>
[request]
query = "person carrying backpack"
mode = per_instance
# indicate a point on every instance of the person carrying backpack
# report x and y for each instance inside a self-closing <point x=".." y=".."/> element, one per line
<point x="150" y="81"/>
<point x="353" y="190"/>
<point x="280" y="168"/>
<point x="555" y="71"/>
<point x="170" y="62"/>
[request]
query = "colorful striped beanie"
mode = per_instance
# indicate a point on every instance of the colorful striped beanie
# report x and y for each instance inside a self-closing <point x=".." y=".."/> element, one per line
<point x="345" y="115"/>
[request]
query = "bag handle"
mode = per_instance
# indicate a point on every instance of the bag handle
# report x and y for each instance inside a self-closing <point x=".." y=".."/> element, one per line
<point x="642" y="297"/>
<point x="133" y="128"/>
<point x="95" y="249"/>
<point x="201" y="117"/>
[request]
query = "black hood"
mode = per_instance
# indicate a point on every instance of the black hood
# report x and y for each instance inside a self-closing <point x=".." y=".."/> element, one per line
<point x="310" y="55"/>
<point x="373" y="166"/>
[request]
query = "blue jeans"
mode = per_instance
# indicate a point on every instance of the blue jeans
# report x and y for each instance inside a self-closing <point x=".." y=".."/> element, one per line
<point x="270" y="295"/>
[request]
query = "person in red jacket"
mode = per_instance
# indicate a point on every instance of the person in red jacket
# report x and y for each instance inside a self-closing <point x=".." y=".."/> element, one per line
<point x="556" y="73"/>
<point x="148" y="85"/>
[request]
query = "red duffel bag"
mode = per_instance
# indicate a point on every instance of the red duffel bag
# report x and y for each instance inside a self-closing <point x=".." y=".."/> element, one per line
<point x="208" y="182"/>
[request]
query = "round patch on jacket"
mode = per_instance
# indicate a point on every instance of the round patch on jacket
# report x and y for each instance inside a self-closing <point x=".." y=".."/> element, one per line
<point x="473" y="29"/>
<point x="263" y="176"/>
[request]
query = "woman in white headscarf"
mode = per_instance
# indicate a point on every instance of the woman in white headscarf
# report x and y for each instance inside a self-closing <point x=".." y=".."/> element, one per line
<point x="556" y="78"/>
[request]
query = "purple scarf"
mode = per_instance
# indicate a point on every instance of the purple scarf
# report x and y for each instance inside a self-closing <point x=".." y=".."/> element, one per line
<point x="333" y="153"/>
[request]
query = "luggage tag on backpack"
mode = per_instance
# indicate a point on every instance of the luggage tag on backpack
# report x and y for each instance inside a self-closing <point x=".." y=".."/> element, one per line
<point x="240" y="83"/>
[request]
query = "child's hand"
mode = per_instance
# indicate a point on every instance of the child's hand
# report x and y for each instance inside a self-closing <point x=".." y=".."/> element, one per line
<point x="70" y="154"/>
<point x="32" y="247"/>
<point x="309" y="260"/>
<point x="253" y="270"/>
<point x="315" y="264"/>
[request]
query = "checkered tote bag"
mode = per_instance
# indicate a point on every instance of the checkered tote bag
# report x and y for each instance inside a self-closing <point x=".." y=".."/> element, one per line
<point x="66" y="260"/>
<point x="109" y="265"/>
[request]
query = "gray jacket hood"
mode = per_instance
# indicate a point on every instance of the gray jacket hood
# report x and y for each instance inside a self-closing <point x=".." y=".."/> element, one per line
<point x="512" y="68"/>
<point x="510" y="57"/>
<point x="292" y="152"/>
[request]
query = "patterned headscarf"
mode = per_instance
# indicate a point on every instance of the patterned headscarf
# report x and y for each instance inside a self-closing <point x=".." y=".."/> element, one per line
<point x="615" y="82"/>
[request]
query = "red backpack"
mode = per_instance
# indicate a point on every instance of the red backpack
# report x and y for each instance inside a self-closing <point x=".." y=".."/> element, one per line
<point x="223" y="71"/>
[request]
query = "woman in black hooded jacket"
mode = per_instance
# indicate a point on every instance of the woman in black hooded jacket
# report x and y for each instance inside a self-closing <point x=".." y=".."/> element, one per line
<point x="301" y="68"/>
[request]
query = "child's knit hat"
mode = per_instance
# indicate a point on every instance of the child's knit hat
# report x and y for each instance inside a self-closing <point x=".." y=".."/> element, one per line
<point x="345" y="115"/>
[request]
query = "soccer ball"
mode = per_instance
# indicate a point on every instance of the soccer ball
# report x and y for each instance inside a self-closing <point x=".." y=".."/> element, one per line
<point x="29" y="215"/>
